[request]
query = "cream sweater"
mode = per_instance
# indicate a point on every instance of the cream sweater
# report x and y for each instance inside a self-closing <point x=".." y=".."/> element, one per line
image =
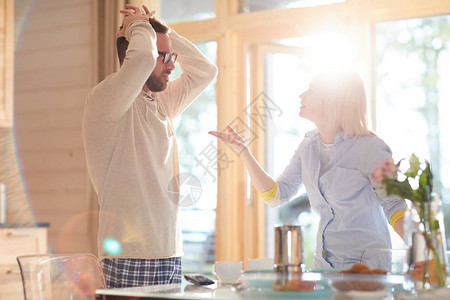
<point x="131" y="147"/>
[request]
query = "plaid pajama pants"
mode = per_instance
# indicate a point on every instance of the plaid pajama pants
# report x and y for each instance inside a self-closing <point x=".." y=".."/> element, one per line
<point x="130" y="272"/>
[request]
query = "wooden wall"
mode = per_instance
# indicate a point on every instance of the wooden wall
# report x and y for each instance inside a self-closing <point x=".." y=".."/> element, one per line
<point x="6" y="61"/>
<point x="53" y="74"/>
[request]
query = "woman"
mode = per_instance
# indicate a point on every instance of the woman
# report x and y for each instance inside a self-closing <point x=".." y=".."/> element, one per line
<point x="334" y="162"/>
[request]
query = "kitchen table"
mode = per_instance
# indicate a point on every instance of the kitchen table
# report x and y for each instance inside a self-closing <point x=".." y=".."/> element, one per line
<point x="258" y="285"/>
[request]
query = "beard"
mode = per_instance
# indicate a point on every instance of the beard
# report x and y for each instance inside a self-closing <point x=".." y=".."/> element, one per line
<point x="154" y="84"/>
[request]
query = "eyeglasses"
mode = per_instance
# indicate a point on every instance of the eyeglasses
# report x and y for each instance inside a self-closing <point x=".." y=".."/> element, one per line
<point x="168" y="56"/>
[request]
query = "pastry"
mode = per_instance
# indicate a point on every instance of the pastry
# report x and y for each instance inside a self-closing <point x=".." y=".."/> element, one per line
<point x="360" y="285"/>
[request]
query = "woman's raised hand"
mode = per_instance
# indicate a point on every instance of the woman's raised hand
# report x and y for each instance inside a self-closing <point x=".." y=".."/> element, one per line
<point x="232" y="138"/>
<point x="261" y="180"/>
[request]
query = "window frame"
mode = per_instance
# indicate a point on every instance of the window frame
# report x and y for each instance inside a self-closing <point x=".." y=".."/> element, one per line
<point x="239" y="235"/>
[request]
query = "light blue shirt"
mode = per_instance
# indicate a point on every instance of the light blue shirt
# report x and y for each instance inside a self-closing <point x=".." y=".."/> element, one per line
<point x="353" y="214"/>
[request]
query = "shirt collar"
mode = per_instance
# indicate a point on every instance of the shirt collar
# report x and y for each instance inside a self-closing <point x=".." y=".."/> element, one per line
<point x="340" y="136"/>
<point x="149" y="95"/>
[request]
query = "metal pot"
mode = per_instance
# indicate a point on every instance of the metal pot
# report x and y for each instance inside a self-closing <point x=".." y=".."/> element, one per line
<point x="288" y="248"/>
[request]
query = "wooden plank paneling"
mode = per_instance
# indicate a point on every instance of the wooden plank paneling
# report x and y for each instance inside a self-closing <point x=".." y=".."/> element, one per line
<point x="56" y="201"/>
<point x="68" y="181"/>
<point x="67" y="57"/>
<point x="50" y="119"/>
<point x="53" y="77"/>
<point x="57" y="38"/>
<point x="54" y="7"/>
<point x="53" y="160"/>
<point x="72" y="14"/>
<point x="49" y="140"/>
<point x="55" y="98"/>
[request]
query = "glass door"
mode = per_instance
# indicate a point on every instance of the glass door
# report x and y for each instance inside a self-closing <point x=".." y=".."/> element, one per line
<point x="287" y="74"/>
<point x="287" y="67"/>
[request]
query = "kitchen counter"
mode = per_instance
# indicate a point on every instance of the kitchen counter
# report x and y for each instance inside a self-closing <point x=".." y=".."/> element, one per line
<point x="24" y="225"/>
<point x="18" y="239"/>
<point x="259" y="285"/>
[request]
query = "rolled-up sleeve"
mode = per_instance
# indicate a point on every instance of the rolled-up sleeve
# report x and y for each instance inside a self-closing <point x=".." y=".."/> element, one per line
<point x="272" y="197"/>
<point x="286" y="186"/>
<point x="391" y="204"/>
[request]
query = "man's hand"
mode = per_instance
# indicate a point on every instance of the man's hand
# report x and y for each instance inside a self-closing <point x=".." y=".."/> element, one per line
<point x="133" y="13"/>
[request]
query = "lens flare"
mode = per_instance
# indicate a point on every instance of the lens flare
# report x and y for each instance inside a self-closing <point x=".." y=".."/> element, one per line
<point x="111" y="246"/>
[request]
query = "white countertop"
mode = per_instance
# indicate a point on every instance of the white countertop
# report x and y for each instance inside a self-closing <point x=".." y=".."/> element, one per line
<point x="259" y="286"/>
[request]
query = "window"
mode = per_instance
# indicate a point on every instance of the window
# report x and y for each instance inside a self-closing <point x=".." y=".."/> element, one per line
<point x="289" y="67"/>
<point x="258" y="5"/>
<point x="198" y="156"/>
<point x="283" y="136"/>
<point x="413" y="95"/>
<point x="173" y="11"/>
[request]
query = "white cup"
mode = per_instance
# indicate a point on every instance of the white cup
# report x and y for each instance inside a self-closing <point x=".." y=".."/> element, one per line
<point x="259" y="264"/>
<point x="225" y="291"/>
<point x="227" y="271"/>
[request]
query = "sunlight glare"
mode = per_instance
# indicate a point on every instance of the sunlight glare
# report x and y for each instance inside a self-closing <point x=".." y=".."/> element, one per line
<point x="331" y="51"/>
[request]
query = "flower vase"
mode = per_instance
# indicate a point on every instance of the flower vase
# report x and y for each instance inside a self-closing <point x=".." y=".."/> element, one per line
<point x="427" y="260"/>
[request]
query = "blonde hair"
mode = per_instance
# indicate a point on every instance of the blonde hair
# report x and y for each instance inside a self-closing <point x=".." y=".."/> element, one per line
<point x="345" y="101"/>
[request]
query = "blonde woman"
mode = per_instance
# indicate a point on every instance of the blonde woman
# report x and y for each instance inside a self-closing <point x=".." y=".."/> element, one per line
<point x="334" y="163"/>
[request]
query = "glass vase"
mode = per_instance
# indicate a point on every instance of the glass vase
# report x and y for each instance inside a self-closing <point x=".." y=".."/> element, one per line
<point x="425" y="237"/>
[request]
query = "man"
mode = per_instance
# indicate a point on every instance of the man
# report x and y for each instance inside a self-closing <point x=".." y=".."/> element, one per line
<point x="131" y="150"/>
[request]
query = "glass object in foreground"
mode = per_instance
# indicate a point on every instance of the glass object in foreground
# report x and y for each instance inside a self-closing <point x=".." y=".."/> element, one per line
<point x="428" y="265"/>
<point x="424" y="230"/>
